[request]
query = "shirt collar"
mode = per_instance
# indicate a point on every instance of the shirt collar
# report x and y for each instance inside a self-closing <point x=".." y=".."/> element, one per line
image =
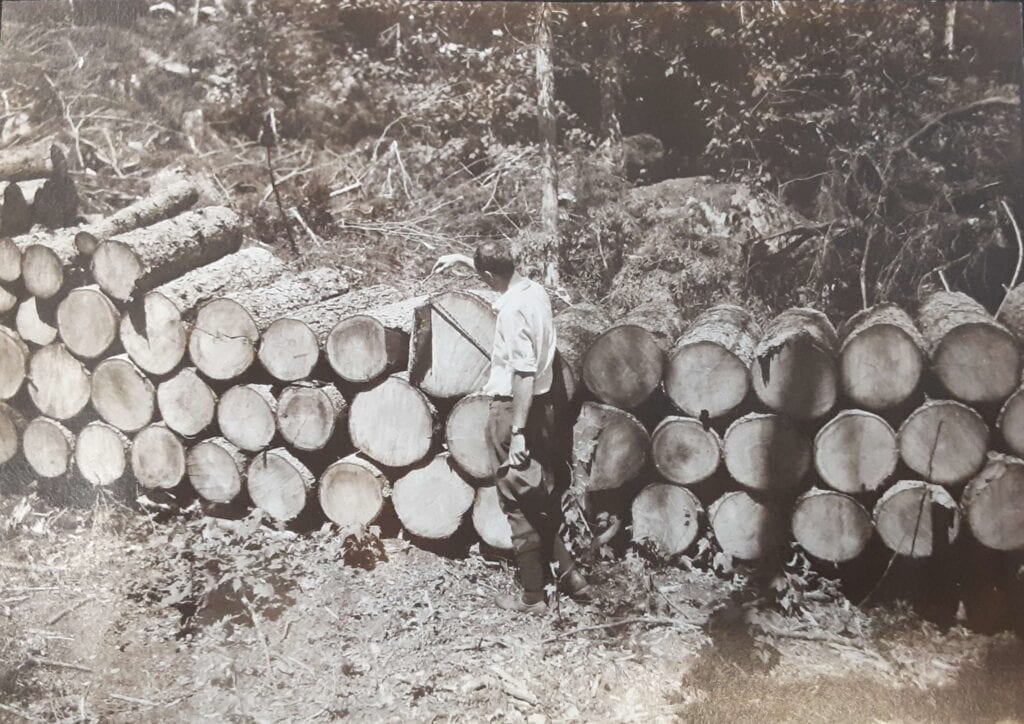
<point x="519" y="286"/>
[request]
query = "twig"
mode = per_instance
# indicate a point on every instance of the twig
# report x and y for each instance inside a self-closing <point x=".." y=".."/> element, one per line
<point x="864" y="271"/>
<point x="259" y="632"/>
<point x="942" y="278"/>
<point x="133" y="700"/>
<point x="60" y="664"/>
<point x="68" y="610"/>
<point x="1020" y="255"/>
<point x="624" y="622"/>
<point x="1006" y="101"/>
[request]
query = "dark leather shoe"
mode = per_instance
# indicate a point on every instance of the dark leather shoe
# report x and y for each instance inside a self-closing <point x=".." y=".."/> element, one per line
<point x="513" y="602"/>
<point x="576" y="587"/>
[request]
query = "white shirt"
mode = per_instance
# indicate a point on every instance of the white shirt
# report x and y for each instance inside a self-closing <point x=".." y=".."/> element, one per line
<point x="524" y="338"/>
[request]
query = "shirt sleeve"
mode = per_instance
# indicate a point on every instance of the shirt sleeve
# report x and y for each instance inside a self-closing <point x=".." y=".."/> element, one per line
<point x="522" y="341"/>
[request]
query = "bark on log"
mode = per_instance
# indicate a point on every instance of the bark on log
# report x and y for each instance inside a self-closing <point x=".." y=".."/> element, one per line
<point x="365" y="346"/>
<point x="609" y="447"/>
<point x="407" y="436"/>
<point x="137" y="261"/>
<point x="576" y="328"/>
<point x="708" y="368"/>
<point x="667" y="517"/>
<point x="322" y="316"/>
<point x="12" y="426"/>
<point x="661" y="318"/>
<point x="277" y="483"/>
<point x="432" y="500"/>
<point x="993" y="503"/>
<point x="882" y="358"/>
<point x="684" y="452"/>
<point x="246" y="415"/>
<point x="1011" y="312"/>
<point x="794" y="370"/>
<point x="975" y="358"/>
<point x="446" y="360"/>
<point x="944" y="441"/>
<point x="352" y="491"/>
<point x="30" y="327"/>
<point x="186" y="403"/>
<point x="465" y="434"/>
<point x="87" y="322"/>
<point x="122" y="394"/>
<point x="856" y="452"/>
<point x="14" y="358"/>
<point x="490" y="521"/>
<point x="25" y="163"/>
<point x="831" y="526"/>
<point x="1011" y="422"/>
<point x="623" y="366"/>
<point x="48" y="447"/>
<point x="160" y="345"/>
<point x="101" y="453"/>
<point x="767" y="454"/>
<point x="216" y="468"/>
<point x="308" y="414"/>
<point x="917" y="519"/>
<point x="60" y="386"/>
<point x="746" y="528"/>
<point x="158" y="457"/>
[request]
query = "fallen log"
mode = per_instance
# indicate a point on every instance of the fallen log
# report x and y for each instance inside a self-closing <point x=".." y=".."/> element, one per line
<point x="60" y="385"/>
<point x="365" y="346"/>
<point x="684" y="451"/>
<point x="277" y="483"/>
<point x="432" y="500"/>
<point x="246" y="415"/>
<point x="944" y="441"/>
<point x="917" y="519"/>
<point x="452" y="337"/>
<point x="406" y="437"/>
<point x="308" y="415"/>
<point x="609" y="447"/>
<point x="974" y="357"/>
<point x="708" y="368"/>
<point x="101" y="453"/>
<point x="122" y="394"/>
<point x="667" y="517"/>
<point x="746" y="528"/>
<point x="215" y="469"/>
<point x="1010" y="422"/>
<point x="767" y="454"/>
<point x="882" y="358"/>
<point x="12" y="426"/>
<point x="288" y="350"/>
<point x="14" y="357"/>
<point x="794" y="371"/>
<point x="30" y="327"/>
<point x="24" y="163"/>
<point x="576" y="328"/>
<point x="186" y="403"/>
<point x="47" y="446"/>
<point x="87" y="322"/>
<point x="490" y="521"/>
<point x="352" y="491"/>
<point x="856" y="452"/>
<point x="831" y="526"/>
<point x="465" y="435"/>
<point x="158" y="457"/>
<point x="623" y="366"/>
<point x="993" y="503"/>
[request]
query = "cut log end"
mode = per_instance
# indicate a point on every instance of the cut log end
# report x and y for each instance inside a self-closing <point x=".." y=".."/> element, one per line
<point x="277" y="483"/>
<point x="48" y="447"/>
<point x="158" y="458"/>
<point x="215" y="468"/>
<point x="360" y="348"/>
<point x="917" y="519"/>
<point x="87" y="322"/>
<point x="667" y="517"/>
<point x="766" y="453"/>
<point x="432" y="500"/>
<point x="684" y="451"/>
<point x="223" y="340"/>
<point x="977" y="363"/>
<point x="246" y="415"/>
<point x="288" y="350"/>
<point x="444" y="363"/>
<point x="122" y="394"/>
<point x="831" y="526"/>
<point x="623" y="366"/>
<point x="42" y="271"/>
<point x="12" y="425"/>
<point x="994" y="504"/>
<point x="705" y="378"/>
<point x="186" y="403"/>
<point x="101" y="453"/>
<point x="409" y="433"/>
<point x="308" y="415"/>
<point x="798" y="379"/>
<point x="746" y="528"/>
<point x="60" y="386"/>
<point x="158" y="345"/>
<point x="856" y="452"/>
<point x="1011" y="422"/>
<point x="14" y="357"/>
<point x="944" y="441"/>
<point x="881" y="366"/>
<point x="10" y="261"/>
<point x="610" y="447"/>
<point x="31" y="327"/>
<point x="490" y="521"/>
<point x="352" y="492"/>
<point x="466" y="438"/>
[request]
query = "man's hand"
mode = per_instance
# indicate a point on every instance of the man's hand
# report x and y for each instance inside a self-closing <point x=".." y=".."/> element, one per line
<point x="448" y="261"/>
<point x="517" y="452"/>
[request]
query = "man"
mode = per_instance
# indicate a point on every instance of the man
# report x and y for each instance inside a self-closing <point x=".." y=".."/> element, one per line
<point x="523" y="431"/>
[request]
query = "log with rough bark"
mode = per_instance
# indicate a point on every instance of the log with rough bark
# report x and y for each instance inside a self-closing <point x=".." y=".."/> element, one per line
<point x="917" y="519"/>
<point x="216" y="468"/>
<point x="576" y="328"/>
<point x="48" y="446"/>
<point x="14" y="358"/>
<point x="667" y="517"/>
<point x="452" y="337"/>
<point x="465" y="435"/>
<point x="246" y="415"/>
<point x="831" y="526"/>
<point x="1010" y="422"/>
<point x="767" y="453"/>
<point x="708" y="368"/>
<point x="431" y="500"/>
<point x="974" y="357"/>
<point x="101" y="453"/>
<point x="122" y="394"/>
<point x="661" y="318"/>
<point x="186" y="403"/>
<point x="277" y="483"/>
<point x="794" y="369"/>
<point x="684" y="451"/>
<point x="23" y="163"/>
<point x="133" y="263"/>
<point x="609" y="447"/>
<point x="31" y="327"/>
<point x="882" y="358"/>
<point x="309" y="413"/>
<point x="993" y="503"/>
<point x="364" y="346"/>
<point x="746" y="528"/>
<point x="60" y="386"/>
<point x="944" y="442"/>
<point x="393" y="423"/>
<point x="623" y="366"/>
<point x="490" y="521"/>
<point x="352" y="491"/>
<point x="87" y="322"/>
<point x="12" y="426"/>
<point x="856" y="452"/>
<point x="158" y="457"/>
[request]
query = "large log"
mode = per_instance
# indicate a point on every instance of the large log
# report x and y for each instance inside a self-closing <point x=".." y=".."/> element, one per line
<point x="882" y="358"/>
<point x="684" y="451"/>
<point x="667" y="517"/>
<point x="393" y="423"/>
<point x="288" y="350"/>
<point x="1010" y="422"/>
<point x="352" y="491"/>
<point x="12" y="426"/>
<point x="14" y="357"/>
<point x="767" y="453"/>
<point x="133" y="263"/>
<point x="746" y="528"/>
<point x="308" y="414"/>
<point x="158" y="457"/>
<point x="216" y="468"/>
<point x="362" y="347"/>
<point x="48" y="446"/>
<point x="322" y="316"/>
<point x="31" y="327"/>
<point x="576" y="328"/>
<point x="161" y="345"/>
<point x="453" y="333"/>
<point x="794" y="370"/>
<point x="465" y="434"/>
<point x="917" y="519"/>
<point x="623" y="366"/>
<point x="186" y="403"/>
<point x="856" y="452"/>
<point x="975" y="358"/>
<point x="609" y="447"/>
<point x="277" y="483"/>
<point x="87" y="322"/>
<point x="708" y="368"/>
<point x="993" y="503"/>
<point x="944" y="442"/>
<point x="60" y="386"/>
<point x="246" y="415"/>
<point x="122" y="394"/>
<point x="490" y="521"/>
<point x="24" y="163"/>
<point x="431" y="500"/>
<point x="101" y="453"/>
<point x="831" y="526"/>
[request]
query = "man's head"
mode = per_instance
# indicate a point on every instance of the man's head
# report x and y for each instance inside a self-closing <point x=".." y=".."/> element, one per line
<point x="494" y="263"/>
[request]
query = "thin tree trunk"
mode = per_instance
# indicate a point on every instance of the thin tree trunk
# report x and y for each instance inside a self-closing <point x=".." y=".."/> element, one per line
<point x="549" y="165"/>
<point x="611" y="89"/>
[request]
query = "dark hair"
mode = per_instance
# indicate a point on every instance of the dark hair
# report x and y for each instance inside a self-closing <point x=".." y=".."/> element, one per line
<point x="494" y="257"/>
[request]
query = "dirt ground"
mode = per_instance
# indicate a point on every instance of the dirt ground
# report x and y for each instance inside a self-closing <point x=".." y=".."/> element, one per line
<point x="110" y="615"/>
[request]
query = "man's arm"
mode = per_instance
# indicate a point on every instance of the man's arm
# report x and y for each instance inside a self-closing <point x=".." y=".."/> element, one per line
<point x="522" y="398"/>
<point x="446" y="262"/>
